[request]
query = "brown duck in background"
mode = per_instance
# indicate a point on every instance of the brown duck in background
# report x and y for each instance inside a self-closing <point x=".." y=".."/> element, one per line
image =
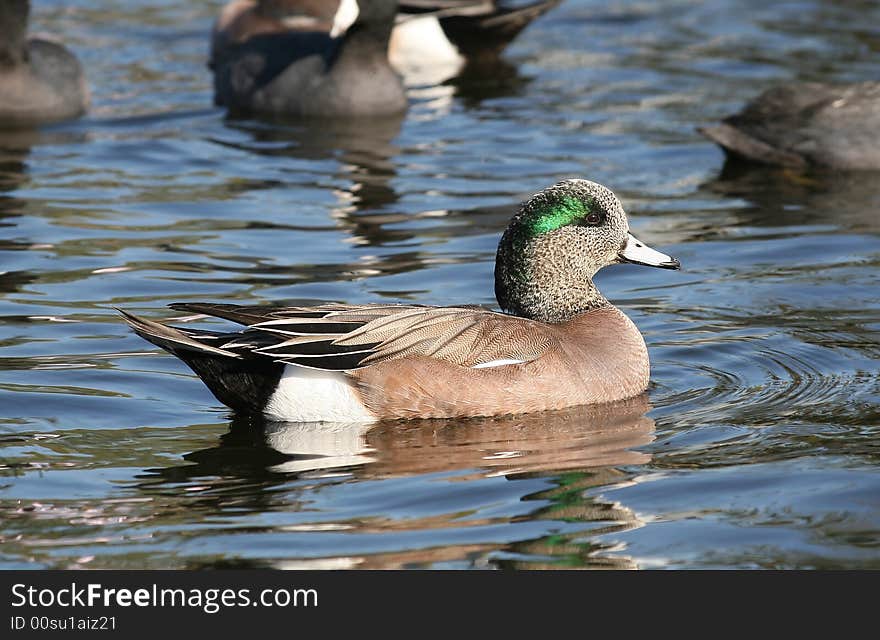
<point x="241" y="20"/>
<point x="559" y="344"/>
<point x="303" y="71"/>
<point x="475" y="30"/>
<point x="426" y="31"/>
<point x="40" y="80"/>
<point x="807" y="124"/>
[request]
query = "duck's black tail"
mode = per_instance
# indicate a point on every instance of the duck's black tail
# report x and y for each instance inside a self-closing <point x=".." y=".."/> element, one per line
<point x="480" y="29"/>
<point x="241" y="380"/>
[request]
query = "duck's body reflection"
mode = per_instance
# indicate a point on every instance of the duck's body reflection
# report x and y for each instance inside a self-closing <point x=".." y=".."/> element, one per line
<point x="578" y="438"/>
<point x="296" y="472"/>
<point x="582" y="437"/>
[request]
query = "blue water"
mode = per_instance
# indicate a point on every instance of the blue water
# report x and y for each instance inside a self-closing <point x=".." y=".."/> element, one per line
<point x="760" y="444"/>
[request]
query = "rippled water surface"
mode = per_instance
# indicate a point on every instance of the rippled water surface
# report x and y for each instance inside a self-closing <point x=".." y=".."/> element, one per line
<point x="759" y="447"/>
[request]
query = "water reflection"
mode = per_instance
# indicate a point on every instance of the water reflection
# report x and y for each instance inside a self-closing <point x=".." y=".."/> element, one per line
<point x="482" y="80"/>
<point x="786" y="197"/>
<point x="15" y="146"/>
<point x="363" y="148"/>
<point x="359" y="141"/>
<point x="577" y="438"/>
<point x="364" y="153"/>
<point x="304" y="473"/>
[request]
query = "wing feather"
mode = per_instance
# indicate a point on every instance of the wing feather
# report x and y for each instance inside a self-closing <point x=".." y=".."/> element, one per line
<point x="347" y="337"/>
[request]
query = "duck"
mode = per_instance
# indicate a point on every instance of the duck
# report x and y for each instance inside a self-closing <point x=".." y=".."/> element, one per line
<point x="292" y="65"/>
<point x="806" y="125"/>
<point x="41" y="81"/>
<point x="426" y="32"/>
<point x="458" y="31"/>
<point x="556" y="343"/>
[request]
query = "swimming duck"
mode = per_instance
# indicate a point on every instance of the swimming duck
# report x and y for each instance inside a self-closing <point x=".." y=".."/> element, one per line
<point x="295" y="66"/>
<point x="426" y="31"/>
<point x="558" y="343"/>
<point x="40" y="80"/>
<point x="474" y="30"/>
<point x="807" y="124"/>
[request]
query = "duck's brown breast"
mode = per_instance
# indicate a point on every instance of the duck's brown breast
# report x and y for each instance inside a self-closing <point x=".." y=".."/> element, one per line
<point x="598" y="356"/>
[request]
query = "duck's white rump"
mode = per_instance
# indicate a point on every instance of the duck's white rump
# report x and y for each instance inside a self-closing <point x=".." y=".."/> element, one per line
<point x="315" y="395"/>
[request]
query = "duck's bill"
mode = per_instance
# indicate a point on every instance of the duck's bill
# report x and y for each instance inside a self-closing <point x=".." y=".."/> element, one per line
<point x="637" y="252"/>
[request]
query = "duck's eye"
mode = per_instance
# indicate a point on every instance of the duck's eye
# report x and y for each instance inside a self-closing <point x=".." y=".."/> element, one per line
<point x="593" y="219"/>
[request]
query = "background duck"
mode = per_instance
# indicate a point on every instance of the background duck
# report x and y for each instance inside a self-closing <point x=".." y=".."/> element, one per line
<point x="240" y="20"/>
<point x="40" y="80"/>
<point x="807" y="124"/>
<point x="427" y="32"/>
<point x="432" y="31"/>
<point x="293" y="66"/>
<point x="559" y="344"/>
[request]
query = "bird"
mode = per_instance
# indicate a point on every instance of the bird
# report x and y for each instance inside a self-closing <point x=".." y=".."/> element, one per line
<point x="240" y="20"/>
<point x="459" y="31"/>
<point x="41" y="81"/>
<point x="557" y="342"/>
<point x="426" y="32"/>
<point x="803" y="125"/>
<point x="296" y="67"/>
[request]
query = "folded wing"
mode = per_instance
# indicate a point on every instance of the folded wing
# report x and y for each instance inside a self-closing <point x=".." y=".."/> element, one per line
<point x="345" y="337"/>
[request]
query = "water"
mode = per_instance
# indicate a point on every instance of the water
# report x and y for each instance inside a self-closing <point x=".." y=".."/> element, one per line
<point x="760" y="444"/>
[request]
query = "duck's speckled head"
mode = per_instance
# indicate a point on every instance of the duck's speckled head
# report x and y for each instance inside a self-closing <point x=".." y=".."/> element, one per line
<point x="554" y="246"/>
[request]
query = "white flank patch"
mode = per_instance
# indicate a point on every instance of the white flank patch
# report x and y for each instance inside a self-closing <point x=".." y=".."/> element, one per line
<point x="314" y="395"/>
<point x="496" y="363"/>
<point x="420" y="42"/>
<point x="345" y="16"/>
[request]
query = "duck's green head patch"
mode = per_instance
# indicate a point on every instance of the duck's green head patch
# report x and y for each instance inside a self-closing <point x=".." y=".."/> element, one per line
<point x="565" y="211"/>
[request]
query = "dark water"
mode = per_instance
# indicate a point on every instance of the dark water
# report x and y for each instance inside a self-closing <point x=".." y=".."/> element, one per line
<point x="760" y="444"/>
